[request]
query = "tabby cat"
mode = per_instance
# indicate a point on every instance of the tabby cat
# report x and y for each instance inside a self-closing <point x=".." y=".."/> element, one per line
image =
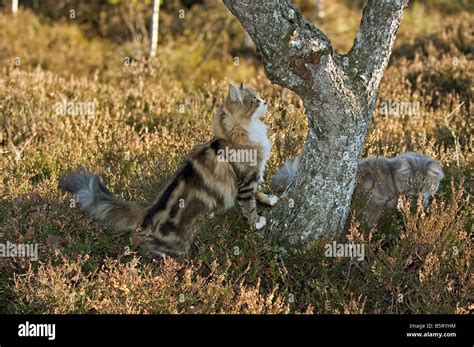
<point x="207" y="182"/>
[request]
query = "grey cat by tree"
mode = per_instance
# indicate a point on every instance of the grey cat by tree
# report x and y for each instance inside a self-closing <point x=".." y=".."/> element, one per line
<point x="382" y="180"/>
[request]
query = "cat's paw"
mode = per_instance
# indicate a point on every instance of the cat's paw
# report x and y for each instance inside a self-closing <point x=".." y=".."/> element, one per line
<point x="273" y="199"/>
<point x="261" y="222"/>
<point x="266" y="199"/>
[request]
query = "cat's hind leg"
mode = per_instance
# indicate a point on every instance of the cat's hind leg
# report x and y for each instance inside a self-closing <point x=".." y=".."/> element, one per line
<point x="266" y="200"/>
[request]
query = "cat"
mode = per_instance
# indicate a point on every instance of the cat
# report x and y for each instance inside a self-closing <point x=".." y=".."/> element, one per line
<point x="207" y="182"/>
<point x="381" y="180"/>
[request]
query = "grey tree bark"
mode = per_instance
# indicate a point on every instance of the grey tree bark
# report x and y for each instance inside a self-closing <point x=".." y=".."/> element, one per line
<point x="339" y="93"/>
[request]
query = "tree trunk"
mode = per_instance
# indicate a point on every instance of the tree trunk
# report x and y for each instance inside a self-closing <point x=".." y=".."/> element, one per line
<point x="339" y="93"/>
<point x="154" y="28"/>
<point x="14" y="6"/>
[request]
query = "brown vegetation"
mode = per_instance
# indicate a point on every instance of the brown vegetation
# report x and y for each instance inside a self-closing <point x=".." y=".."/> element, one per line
<point x="149" y="114"/>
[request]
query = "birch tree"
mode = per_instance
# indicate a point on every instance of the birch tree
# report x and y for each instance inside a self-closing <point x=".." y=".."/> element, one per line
<point x="154" y="28"/>
<point x="14" y="6"/>
<point x="339" y="93"/>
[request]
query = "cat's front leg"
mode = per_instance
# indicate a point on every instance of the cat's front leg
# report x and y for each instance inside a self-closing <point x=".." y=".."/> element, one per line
<point x="248" y="204"/>
<point x="372" y="213"/>
<point x="427" y="200"/>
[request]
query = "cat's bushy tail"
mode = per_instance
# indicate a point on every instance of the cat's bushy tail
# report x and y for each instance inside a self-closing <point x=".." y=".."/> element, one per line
<point x="98" y="202"/>
<point x="286" y="174"/>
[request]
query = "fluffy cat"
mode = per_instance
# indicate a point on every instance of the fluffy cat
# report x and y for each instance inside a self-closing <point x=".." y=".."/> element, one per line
<point x="381" y="180"/>
<point x="205" y="183"/>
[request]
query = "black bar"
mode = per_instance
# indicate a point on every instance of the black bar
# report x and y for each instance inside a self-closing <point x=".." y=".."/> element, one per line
<point x="314" y="330"/>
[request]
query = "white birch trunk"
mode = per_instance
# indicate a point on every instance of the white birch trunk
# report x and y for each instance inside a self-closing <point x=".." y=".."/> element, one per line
<point x="14" y="6"/>
<point x="154" y="28"/>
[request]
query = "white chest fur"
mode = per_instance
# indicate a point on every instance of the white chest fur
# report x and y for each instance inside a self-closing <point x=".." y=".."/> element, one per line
<point x="258" y="134"/>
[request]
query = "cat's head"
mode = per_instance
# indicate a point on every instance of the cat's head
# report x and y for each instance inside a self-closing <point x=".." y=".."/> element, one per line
<point x="417" y="174"/>
<point x="244" y="103"/>
<point x="242" y="106"/>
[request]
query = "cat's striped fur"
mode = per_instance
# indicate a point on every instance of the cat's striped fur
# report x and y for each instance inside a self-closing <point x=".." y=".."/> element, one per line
<point x="205" y="183"/>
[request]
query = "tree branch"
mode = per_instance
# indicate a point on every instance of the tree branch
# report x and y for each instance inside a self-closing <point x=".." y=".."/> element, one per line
<point x="286" y="41"/>
<point x="373" y="43"/>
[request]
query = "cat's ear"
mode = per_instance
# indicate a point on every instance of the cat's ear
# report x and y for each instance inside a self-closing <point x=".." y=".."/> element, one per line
<point x="234" y="93"/>
<point x="404" y="167"/>
<point x="435" y="170"/>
